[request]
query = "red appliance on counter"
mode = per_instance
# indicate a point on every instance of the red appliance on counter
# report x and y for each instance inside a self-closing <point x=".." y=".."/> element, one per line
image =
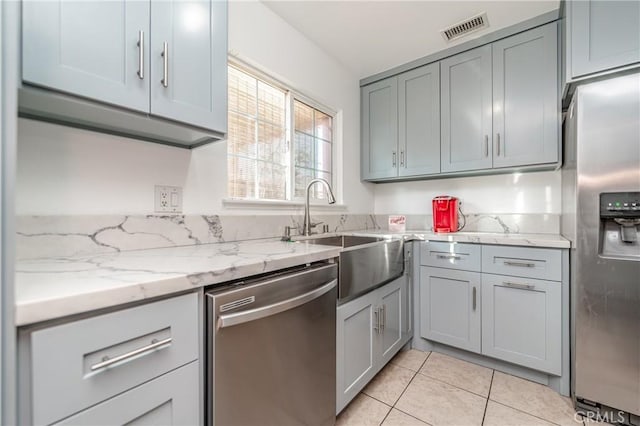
<point x="445" y="214"/>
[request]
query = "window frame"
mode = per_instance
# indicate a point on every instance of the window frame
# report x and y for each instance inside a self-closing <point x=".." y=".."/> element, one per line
<point x="291" y="95"/>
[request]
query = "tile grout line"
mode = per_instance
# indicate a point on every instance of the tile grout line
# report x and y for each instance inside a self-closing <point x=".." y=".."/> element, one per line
<point x="458" y="387"/>
<point x="407" y="387"/>
<point x="486" y="404"/>
<point x="524" y="412"/>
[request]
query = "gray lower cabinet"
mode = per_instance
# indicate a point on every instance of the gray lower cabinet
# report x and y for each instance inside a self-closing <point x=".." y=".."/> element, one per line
<point x="522" y="321"/>
<point x="525" y="98"/>
<point x="450" y="307"/>
<point x="419" y="121"/>
<point x="504" y="302"/>
<point x="601" y="35"/>
<point x="369" y="333"/>
<point x="78" y="368"/>
<point x="171" y="399"/>
<point x="161" y="58"/>
<point x="379" y="106"/>
<point x="466" y="110"/>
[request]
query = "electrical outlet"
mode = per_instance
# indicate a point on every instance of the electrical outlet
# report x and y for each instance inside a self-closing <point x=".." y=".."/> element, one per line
<point x="168" y="199"/>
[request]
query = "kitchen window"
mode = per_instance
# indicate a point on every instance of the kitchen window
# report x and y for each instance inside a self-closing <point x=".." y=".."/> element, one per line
<point x="278" y="140"/>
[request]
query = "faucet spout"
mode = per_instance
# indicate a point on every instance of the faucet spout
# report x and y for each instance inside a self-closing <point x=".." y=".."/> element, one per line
<point x="306" y="227"/>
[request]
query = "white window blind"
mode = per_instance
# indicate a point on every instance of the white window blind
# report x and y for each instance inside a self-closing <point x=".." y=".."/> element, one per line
<point x="263" y="119"/>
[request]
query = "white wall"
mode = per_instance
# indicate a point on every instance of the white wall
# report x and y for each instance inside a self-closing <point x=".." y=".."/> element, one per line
<point x="68" y="171"/>
<point x="534" y="192"/>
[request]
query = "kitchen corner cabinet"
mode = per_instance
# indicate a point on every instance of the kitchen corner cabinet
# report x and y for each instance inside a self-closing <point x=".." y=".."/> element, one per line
<point x="162" y="58"/>
<point x="601" y="35"/>
<point x="499" y="301"/>
<point x="401" y="125"/>
<point x="500" y="103"/>
<point x="369" y="333"/>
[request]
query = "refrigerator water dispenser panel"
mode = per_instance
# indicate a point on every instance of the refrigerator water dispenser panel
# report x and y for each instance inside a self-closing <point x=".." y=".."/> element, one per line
<point x="620" y="225"/>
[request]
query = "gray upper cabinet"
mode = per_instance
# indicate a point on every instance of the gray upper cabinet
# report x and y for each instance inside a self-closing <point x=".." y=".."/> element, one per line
<point x="380" y="129"/>
<point x="466" y="110"/>
<point x="155" y="69"/>
<point x="188" y="61"/>
<point x="419" y="121"/>
<point x="525" y="98"/>
<point x="88" y="49"/>
<point x="602" y="35"/>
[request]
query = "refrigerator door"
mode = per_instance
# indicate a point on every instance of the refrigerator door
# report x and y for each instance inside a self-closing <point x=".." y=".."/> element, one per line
<point x="606" y="288"/>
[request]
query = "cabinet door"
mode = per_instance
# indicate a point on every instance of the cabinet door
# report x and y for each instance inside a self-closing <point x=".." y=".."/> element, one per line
<point x="604" y="35"/>
<point x="391" y="314"/>
<point x="466" y="110"/>
<point x="88" y="49"/>
<point x="171" y="399"/>
<point x="189" y="62"/>
<point x="419" y="121"/>
<point x="354" y="347"/>
<point x="526" y="110"/>
<point x="380" y="129"/>
<point x="450" y="307"/>
<point x="521" y="321"/>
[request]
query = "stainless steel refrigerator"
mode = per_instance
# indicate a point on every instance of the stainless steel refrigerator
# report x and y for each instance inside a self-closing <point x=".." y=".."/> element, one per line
<point x="601" y="217"/>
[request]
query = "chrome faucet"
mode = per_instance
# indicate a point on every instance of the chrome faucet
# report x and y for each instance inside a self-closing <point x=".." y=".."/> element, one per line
<point x="307" y="225"/>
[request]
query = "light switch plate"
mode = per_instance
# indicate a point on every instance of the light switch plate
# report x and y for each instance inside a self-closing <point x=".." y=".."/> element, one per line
<point x="168" y="199"/>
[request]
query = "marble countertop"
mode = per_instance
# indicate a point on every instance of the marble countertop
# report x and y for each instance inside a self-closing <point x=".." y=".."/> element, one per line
<point x="527" y="240"/>
<point x="56" y="287"/>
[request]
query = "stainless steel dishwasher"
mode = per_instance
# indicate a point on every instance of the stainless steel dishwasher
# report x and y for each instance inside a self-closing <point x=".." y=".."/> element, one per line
<point x="271" y="349"/>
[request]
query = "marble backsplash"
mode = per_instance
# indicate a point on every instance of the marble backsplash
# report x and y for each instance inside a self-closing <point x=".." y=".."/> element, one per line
<point x="70" y="236"/>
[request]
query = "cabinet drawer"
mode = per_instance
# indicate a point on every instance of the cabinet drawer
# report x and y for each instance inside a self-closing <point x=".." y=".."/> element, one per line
<point x="545" y="264"/>
<point x="450" y="255"/>
<point x="73" y="364"/>
<point x="171" y="399"/>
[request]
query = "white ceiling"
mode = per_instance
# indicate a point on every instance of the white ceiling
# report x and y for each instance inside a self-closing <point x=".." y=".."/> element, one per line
<point x="368" y="37"/>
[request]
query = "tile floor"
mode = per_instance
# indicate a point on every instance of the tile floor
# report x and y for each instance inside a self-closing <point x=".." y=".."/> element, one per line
<point x="423" y="388"/>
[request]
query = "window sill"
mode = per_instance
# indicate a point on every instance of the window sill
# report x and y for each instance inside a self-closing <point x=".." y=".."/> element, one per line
<point x="239" y="203"/>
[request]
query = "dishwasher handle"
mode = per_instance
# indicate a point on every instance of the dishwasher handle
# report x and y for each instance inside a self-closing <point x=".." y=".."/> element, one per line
<point x="236" y="318"/>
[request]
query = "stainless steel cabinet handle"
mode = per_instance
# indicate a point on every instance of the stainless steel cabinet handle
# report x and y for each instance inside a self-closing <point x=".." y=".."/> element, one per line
<point x="474" y="294"/>
<point x="402" y="158"/>
<point x="383" y="316"/>
<point x="518" y="285"/>
<point x="486" y="145"/>
<point x="141" y="55"/>
<point x="448" y="256"/>
<point x="498" y="144"/>
<point x="165" y="64"/>
<point x="520" y="264"/>
<point x="376" y="324"/>
<point x="393" y="158"/>
<point x="106" y="362"/>
<point x="235" y="318"/>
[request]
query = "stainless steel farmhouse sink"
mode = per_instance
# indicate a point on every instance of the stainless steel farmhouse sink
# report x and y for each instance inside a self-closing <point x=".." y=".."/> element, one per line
<point x="365" y="262"/>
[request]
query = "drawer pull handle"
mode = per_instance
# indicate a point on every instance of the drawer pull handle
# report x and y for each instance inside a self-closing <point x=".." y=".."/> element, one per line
<point x="141" y="55"/>
<point x="376" y="325"/>
<point x="165" y="64"/>
<point x="151" y="347"/>
<point x="518" y="285"/>
<point x="521" y="264"/>
<point x="448" y="256"/>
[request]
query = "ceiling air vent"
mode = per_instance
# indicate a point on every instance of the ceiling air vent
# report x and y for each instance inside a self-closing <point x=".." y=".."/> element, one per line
<point x="465" y="27"/>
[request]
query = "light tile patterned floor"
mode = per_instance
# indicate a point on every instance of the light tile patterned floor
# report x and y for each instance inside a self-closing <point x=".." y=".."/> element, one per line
<point x="423" y="388"/>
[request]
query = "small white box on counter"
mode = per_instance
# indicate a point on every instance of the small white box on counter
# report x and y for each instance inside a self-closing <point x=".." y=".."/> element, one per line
<point x="397" y="223"/>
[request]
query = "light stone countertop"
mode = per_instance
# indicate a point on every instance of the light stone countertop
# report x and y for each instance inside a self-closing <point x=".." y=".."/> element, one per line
<point x="56" y="287"/>
<point x="526" y="240"/>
